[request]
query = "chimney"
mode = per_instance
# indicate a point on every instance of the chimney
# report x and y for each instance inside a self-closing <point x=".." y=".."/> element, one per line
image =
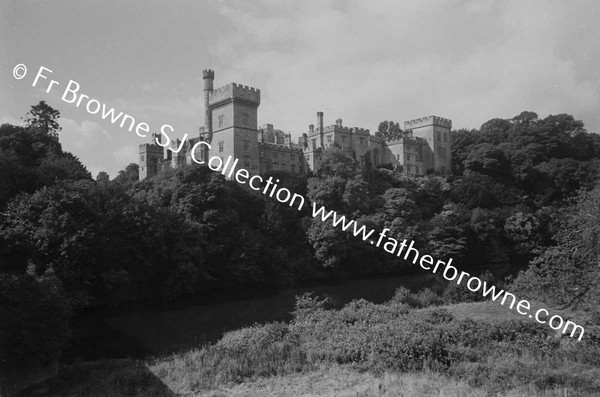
<point x="320" y="121"/>
<point x="321" y="129"/>
<point x="338" y="122"/>
<point x="287" y="140"/>
<point x="311" y="128"/>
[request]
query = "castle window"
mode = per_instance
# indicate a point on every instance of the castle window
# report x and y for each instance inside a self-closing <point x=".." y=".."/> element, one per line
<point x="314" y="143"/>
<point x="221" y="146"/>
<point x="307" y="157"/>
<point x="438" y="135"/>
<point x="343" y="138"/>
<point x="445" y="137"/>
<point x="246" y="144"/>
<point x="142" y="157"/>
<point x="328" y="138"/>
<point x="220" y="118"/>
<point x="398" y="157"/>
<point x="362" y="141"/>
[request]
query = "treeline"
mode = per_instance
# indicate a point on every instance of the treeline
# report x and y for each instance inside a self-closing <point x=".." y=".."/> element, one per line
<point x="88" y="243"/>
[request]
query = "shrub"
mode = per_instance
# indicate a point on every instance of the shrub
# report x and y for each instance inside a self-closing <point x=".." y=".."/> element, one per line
<point x="424" y="298"/>
<point x="34" y="328"/>
<point x="255" y="337"/>
<point x="35" y="319"/>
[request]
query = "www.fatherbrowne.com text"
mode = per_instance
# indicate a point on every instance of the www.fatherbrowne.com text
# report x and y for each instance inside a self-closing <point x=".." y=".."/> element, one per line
<point x="269" y="187"/>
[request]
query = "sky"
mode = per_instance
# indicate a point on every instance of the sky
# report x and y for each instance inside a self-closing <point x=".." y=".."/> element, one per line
<point x="362" y="61"/>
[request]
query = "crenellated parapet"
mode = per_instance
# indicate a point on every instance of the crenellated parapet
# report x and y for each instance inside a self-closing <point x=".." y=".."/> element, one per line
<point x="208" y="74"/>
<point x="234" y="92"/>
<point x="281" y="148"/>
<point x="426" y="121"/>
<point x="360" y="131"/>
<point x="406" y="140"/>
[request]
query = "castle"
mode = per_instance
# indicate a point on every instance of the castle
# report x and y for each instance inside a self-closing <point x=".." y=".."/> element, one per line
<point x="231" y="129"/>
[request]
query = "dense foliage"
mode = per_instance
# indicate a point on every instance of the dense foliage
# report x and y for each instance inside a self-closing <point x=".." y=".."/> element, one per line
<point x="495" y="356"/>
<point x="191" y="232"/>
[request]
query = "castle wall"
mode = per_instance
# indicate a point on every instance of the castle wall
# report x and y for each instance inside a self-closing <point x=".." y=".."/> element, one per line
<point x="234" y="121"/>
<point x="231" y="128"/>
<point x="275" y="157"/>
<point x="150" y="159"/>
<point x="436" y="132"/>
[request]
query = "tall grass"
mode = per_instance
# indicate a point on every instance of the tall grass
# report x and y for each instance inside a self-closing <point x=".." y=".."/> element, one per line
<point x="406" y="335"/>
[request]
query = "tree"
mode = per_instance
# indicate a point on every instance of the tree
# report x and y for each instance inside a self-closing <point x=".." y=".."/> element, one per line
<point x="129" y="175"/>
<point x="102" y="177"/>
<point x="462" y="140"/>
<point x="494" y="131"/>
<point x="43" y="117"/>
<point x="34" y="321"/>
<point x="388" y="130"/>
<point x="568" y="274"/>
<point x="487" y="159"/>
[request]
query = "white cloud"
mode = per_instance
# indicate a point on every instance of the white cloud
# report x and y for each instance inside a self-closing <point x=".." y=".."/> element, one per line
<point x="10" y="120"/>
<point x="95" y="147"/>
<point x="370" y="61"/>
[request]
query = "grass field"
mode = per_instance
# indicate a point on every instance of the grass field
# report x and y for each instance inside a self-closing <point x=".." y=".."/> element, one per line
<point x="353" y="352"/>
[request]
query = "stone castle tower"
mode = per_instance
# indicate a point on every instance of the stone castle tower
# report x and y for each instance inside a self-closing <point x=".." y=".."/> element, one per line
<point x="151" y="158"/>
<point x="231" y="121"/>
<point x="436" y="132"/>
<point x="231" y="129"/>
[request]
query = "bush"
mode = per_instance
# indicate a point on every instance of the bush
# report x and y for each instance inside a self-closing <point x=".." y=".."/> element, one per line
<point x="455" y="293"/>
<point x="33" y="321"/>
<point x="424" y="298"/>
<point x="255" y="337"/>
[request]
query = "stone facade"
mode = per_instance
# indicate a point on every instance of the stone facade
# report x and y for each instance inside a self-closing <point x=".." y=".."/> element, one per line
<point x="231" y="129"/>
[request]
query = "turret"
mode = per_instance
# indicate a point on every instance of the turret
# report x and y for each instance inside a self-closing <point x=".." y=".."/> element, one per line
<point x="208" y="76"/>
<point x="321" y="128"/>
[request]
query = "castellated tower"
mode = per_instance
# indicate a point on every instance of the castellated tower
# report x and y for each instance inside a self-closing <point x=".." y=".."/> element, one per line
<point x="436" y="132"/>
<point x="232" y="122"/>
<point x="151" y="157"/>
<point x="208" y="76"/>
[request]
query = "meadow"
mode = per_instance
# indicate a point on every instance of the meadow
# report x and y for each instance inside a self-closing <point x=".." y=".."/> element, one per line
<point x="413" y="345"/>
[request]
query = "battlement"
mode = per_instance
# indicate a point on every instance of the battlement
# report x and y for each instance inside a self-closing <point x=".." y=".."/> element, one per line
<point x="151" y="148"/>
<point x="360" y="131"/>
<point x="406" y="139"/>
<point x="338" y="128"/>
<point x="234" y="91"/>
<point x="208" y="74"/>
<point x="281" y="148"/>
<point x="426" y="121"/>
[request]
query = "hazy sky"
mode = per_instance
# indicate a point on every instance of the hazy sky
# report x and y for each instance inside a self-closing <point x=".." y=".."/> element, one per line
<point x="363" y="61"/>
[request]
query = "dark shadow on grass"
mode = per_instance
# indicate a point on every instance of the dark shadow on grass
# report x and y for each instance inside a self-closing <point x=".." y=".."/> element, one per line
<point x="103" y="378"/>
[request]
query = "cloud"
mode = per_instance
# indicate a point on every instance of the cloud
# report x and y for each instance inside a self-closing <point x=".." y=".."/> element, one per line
<point x="95" y="147"/>
<point x="371" y="61"/>
<point x="10" y="120"/>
